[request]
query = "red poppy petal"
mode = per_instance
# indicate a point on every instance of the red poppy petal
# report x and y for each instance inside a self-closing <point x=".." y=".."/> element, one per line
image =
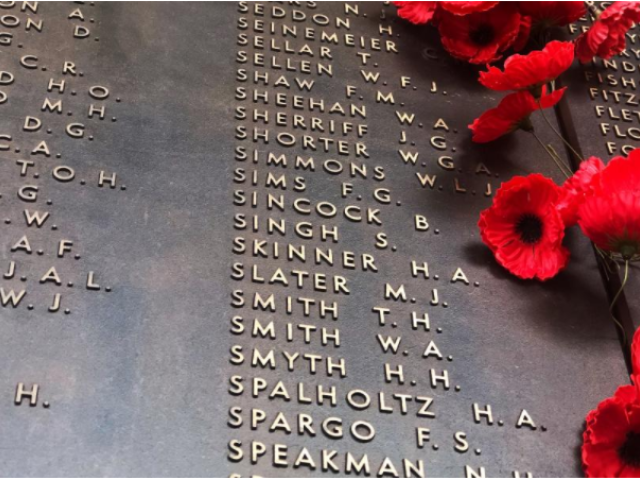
<point x="607" y="36"/>
<point x="485" y="55"/>
<point x="627" y="396"/>
<point x="548" y="101"/>
<point x="629" y="472"/>
<point x="534" y="195"/>
<point x="621" y="173"/>
<point x="595" y="220"/>
<point x="528" y="262"/>
<point x="457" y="32"/>
<point x="508" y="115"/>
<point x="635" y="353"/>
<point x="532" y="70"/>
<point x="416" y="12"/>
<point x="612" y="220"/>
<point x="584" y="53"/>
<point x="575" y="189"/>
<point x="610" y="424"/>
<point x="621" y="11"/>
<point x="601" y="462"/>
<point x="542" y="193"/>
<point x="633" y="412"/>
<point x="465" y="8"/>
<point x="496" y="230"/>
<point x="523" y="34"/>
<point x="493" y="124"/>
<point x="553" y="13"/>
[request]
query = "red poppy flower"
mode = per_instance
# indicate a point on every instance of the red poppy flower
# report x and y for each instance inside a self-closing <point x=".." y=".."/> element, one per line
<point x="607" y="36"/>
<point x="480" y="37"/>
<point x="552" y="14"/>
<point x="524" y="229"/>
<point x="465" y="8"/>
<point x="635" y="358"/>
<point x="576" y="188"/>
<point x="523" y="34"/>
<point x="611" y="440"/>
<point x="530" y="71"/>
<point x="416" y="12"/>
<point x="610" y="213"/>
<point x="511" y="114"/>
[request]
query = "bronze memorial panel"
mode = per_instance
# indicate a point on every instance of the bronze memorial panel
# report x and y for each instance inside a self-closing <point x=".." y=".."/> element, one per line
<point x="241" y="239"/>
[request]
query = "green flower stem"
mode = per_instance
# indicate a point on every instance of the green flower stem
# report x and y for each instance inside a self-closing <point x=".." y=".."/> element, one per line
<point x="558" y="134"/>
<point x="556" y="160"/>
<point x="567" y="171"/>
<point x="615" y="300"/>
<point x="605" y="261"/>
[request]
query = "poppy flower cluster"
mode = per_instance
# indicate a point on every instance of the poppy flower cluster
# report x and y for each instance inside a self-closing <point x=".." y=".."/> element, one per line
<point x="481" y="32"/>
<point x="611" y="440"/>
<point x="525" y="225"/>
<point x="513" y="113"/>
<point x="528" y="75"/>
<point x="609" y="206"/>
<point x="607" y="35"/>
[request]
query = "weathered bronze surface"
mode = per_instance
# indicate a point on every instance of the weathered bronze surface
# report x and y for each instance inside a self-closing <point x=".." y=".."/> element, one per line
<point x="136" y="214"/>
